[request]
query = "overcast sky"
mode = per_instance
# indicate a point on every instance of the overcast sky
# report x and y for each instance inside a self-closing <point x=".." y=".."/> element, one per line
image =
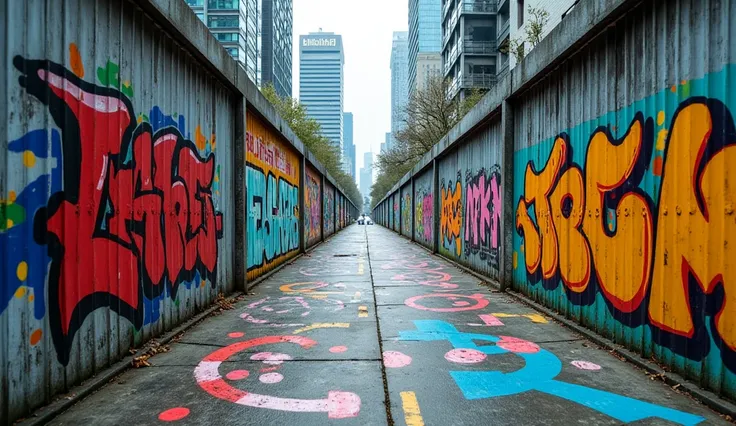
<point x="366" y="28"/>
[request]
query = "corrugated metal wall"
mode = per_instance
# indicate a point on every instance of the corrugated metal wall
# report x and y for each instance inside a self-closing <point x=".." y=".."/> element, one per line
<point x="313" y="207"/>
<point x="407" y="215"/>
<point x="90" y="104"/>
<point x="424" y="209"/>
<point x="329" y="210"/>
<point x="273" y="171"/>
<point x="633" y="228"/>
<point x="397" y="211"/>
<point x="470" y="193"/>
<point x="623" y="194"/>
<point x="118" y="142"/>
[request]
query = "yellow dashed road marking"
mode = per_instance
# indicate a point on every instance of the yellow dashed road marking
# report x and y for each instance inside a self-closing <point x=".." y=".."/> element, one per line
<point x="412" y="415"/>
<point x="535" y="318"/>
<point x="322" y="325"/>
<point x="362" y="311"/>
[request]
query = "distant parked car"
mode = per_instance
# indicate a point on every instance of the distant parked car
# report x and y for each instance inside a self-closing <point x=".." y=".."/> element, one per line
<point x="368" y="221"/>
<point x="361" y="220"/>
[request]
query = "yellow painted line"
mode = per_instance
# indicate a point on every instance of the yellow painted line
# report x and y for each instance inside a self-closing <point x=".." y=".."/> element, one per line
<point x="412" y="415"/>
<point x="362" y="311"/>
<point x="322" y="325"/>
<point x="535" y="318"/>
<point x="360" y="268"/>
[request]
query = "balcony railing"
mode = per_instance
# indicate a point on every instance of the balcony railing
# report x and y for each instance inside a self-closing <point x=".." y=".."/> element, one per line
<point x="479" y="6"/>
<point x="473" y="47"/>
<point x="503" y="30"/>
<point x="445" y="8"/>
<point x="478" y="81"/>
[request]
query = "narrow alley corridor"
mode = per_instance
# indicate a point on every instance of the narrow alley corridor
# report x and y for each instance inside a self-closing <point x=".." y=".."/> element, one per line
<point x="368" y="317"/>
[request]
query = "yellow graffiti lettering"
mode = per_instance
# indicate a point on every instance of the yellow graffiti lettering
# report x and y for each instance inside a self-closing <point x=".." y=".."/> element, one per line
<point x="609" y="166"/>
<point x="696" y="227"/>
<point x="537" y="187"/>
<point x="451" y="215"/>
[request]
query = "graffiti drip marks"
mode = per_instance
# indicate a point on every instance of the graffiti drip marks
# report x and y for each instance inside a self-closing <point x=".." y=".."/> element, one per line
<point x="273" y="217"/>
<point x="483" y="215"/>
<point x="133" y="197"/>
<point x="451" y="215"/>
<point x="670" y="261"/>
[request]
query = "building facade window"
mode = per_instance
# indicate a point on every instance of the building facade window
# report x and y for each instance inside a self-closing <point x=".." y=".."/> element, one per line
<point x="227" y="36"/>
<point x="223" y="4"/>
<point x="226" y="21"/>
<point x="520" y="14"/>
<point x="195" y="2"/>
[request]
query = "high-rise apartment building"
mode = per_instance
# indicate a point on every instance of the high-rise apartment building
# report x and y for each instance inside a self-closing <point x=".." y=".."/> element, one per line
<point x="348" y="159"/>
<point x="366" y="174"/>
<point x="277" y="26"/>
<point x="321" y="82"/>
<point x="513" y="17"/>
<point x="258" y="33"/>
<point x="235" y="24"/>
<point x="399" y="80"/>
<point x="425" y="33"/>
<point x="469" y="44"/>
<point x="429" y="65"/>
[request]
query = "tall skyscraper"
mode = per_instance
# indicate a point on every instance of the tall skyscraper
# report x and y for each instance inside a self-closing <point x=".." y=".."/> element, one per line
<point x="399" y="80"/>
<point x="235" y="24"/>
<point x="469" y="48"/>
<point x="277" y="26"/>
<point x="348" y="159"/>
<point x="321" y="82"/>
<point x="366" y="174"/>
<point x="425" y="33"/>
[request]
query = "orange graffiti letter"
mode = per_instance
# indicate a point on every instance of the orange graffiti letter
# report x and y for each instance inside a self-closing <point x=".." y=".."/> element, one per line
<point x="568" y="201"/>
<point x="696" y="227"/>
<point x="622" y="255"/>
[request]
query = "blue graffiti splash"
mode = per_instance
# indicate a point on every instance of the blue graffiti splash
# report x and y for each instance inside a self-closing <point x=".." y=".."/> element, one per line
<point x="159" y="120"/>
<point x="16" y="243"/>
<point x="538" y="374"/>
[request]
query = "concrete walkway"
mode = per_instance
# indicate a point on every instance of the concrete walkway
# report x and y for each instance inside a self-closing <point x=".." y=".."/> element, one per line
<point x="369" y="317"/>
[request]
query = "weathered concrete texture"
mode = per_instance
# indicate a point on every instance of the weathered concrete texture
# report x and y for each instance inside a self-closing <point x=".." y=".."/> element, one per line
<point x="454" y="352"/>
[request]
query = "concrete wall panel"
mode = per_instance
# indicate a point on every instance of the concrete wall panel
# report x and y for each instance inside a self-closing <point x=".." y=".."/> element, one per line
<point x="407" y="214"/>
<point x="313" y="207"/>
<point x="424" y="209"/>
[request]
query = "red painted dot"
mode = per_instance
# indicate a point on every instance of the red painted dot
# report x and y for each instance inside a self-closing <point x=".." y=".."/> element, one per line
<point x="236" y="334"/>
<point x="237" y="374"/>
<point x="338" y="349"/>
<point x="173" y="414"/>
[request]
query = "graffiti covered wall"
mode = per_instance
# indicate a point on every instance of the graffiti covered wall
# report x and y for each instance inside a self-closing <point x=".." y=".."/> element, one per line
<point x="470" y="202"/>
<point x="328" y="213"/>
<point x="397" y="211"/>
<point x="424" y="209"/>
<point x="113" y="199"/>
<point x="312" y="207"/>
<point x="406" y="212"/>
<point x="624" y="213"/>
<point x="272" y="201"/>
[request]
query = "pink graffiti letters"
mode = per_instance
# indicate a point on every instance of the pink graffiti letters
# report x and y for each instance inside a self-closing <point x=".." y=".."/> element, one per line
<point x="144" y="196"/>
<point x="483" y="215"/>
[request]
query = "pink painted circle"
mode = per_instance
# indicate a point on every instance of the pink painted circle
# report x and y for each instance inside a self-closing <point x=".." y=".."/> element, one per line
<point x="586" y="365"/>
<point x="338" y="349"/>
<point x="173" y="414"/>
<point x="465" y="356"/>
<point x="270" y="358"/>
<point x="395" y="359"/>
<point x="271" y="378"/>
<point x="236" y="334"/>
<point x="237" y="374"/>
<point x="516" y="345"/>
<point x="472" y="302"/>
